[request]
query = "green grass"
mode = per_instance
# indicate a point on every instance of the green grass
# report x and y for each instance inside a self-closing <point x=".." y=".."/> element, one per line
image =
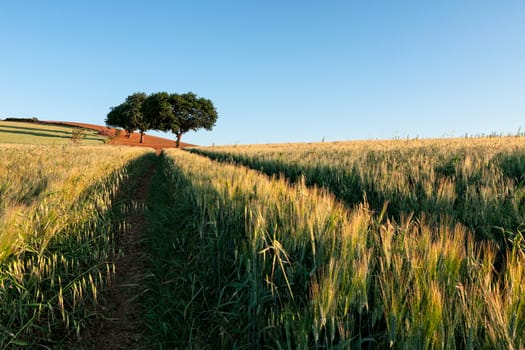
<point x="34" y="133"/>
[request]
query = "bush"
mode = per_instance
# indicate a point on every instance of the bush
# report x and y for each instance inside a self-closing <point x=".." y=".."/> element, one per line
<point x="77" y="135"/>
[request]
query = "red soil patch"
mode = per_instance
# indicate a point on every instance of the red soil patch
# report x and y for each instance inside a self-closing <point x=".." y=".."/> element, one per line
<point x="158" y="143"/>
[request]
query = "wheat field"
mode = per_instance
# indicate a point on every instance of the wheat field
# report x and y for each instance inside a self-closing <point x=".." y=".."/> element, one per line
<point x="403" y="244"/>
<point x="56" y="236"/>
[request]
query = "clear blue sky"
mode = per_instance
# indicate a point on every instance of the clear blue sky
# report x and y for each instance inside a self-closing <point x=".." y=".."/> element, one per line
<point x="277" y="71"/>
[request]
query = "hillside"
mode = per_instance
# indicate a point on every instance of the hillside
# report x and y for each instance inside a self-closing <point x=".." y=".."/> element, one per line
<point x="25" y="132"/>
<point x="149" y="140"/>
<point x="134" y="140"/>
<point x="58" y="132"/>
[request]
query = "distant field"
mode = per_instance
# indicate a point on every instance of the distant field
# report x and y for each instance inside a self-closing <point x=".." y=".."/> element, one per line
<point x="33" y="133"/>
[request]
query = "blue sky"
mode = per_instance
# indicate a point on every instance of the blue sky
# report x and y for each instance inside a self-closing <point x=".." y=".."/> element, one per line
<point x="277" y="71"/>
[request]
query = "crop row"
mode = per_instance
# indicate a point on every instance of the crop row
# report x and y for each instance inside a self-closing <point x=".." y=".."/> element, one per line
<point x="58" y="221"/>
<point x="477" y="182"/>
<point x="243" y="260"/>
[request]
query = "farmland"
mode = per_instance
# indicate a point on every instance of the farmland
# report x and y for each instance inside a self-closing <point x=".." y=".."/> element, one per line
<point x="478" y="182"/>
<point x="299" y="265"/>
<point x="366" y="244"/>
<point x="33" y="133"/>
<point x="59" y="214"/>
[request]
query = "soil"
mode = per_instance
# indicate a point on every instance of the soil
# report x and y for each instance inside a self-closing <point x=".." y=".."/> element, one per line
<point x="158" y="143"/>
<point x="119" y="325"/>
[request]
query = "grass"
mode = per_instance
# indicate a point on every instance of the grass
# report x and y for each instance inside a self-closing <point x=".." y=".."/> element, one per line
<point x="399" y="244"/>
<point x="223" y="274"/>
<point x="35" y="133"/>
<point x="62" y="210"/>
<point x="477" y="182"/>
<point x="240" y="260"/>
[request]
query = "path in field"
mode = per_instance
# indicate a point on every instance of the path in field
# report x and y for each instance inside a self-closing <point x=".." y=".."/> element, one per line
<point x="121" y="326"/>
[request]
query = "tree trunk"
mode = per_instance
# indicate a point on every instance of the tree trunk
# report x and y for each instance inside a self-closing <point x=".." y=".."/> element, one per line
<point x="141" y="136"/>
<point x="177" y="142"/>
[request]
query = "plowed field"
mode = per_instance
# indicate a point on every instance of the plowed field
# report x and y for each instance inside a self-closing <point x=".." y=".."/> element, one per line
<point x="149" y="141"/>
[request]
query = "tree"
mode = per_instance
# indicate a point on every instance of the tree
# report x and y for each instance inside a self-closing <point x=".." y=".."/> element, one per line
<point x="116" y="118"/>
<point x="129" y="116"/>
<point x="163" y="111"/>
<point x="135" y="116"/>
<point x="157" y="111"/>
<point x="190" y="113"/>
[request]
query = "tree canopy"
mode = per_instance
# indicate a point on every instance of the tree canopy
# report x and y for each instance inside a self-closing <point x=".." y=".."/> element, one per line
<point x="117" y="118"/>
<point x="178" y="113"/>
<point x="128" y="115"/>
<point x="158" y="110"/>
<point x="190" y="113"/>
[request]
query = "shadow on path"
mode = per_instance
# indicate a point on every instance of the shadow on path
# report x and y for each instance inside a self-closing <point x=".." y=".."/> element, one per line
<point x="120" y="324"/>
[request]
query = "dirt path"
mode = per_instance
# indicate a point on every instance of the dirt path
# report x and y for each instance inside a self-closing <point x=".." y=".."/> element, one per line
<point x="120" y="326"/>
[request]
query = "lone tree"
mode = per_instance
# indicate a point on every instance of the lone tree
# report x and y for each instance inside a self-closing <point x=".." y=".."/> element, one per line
<point x="129" y="116"/>
<point x="190" y="113"/>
